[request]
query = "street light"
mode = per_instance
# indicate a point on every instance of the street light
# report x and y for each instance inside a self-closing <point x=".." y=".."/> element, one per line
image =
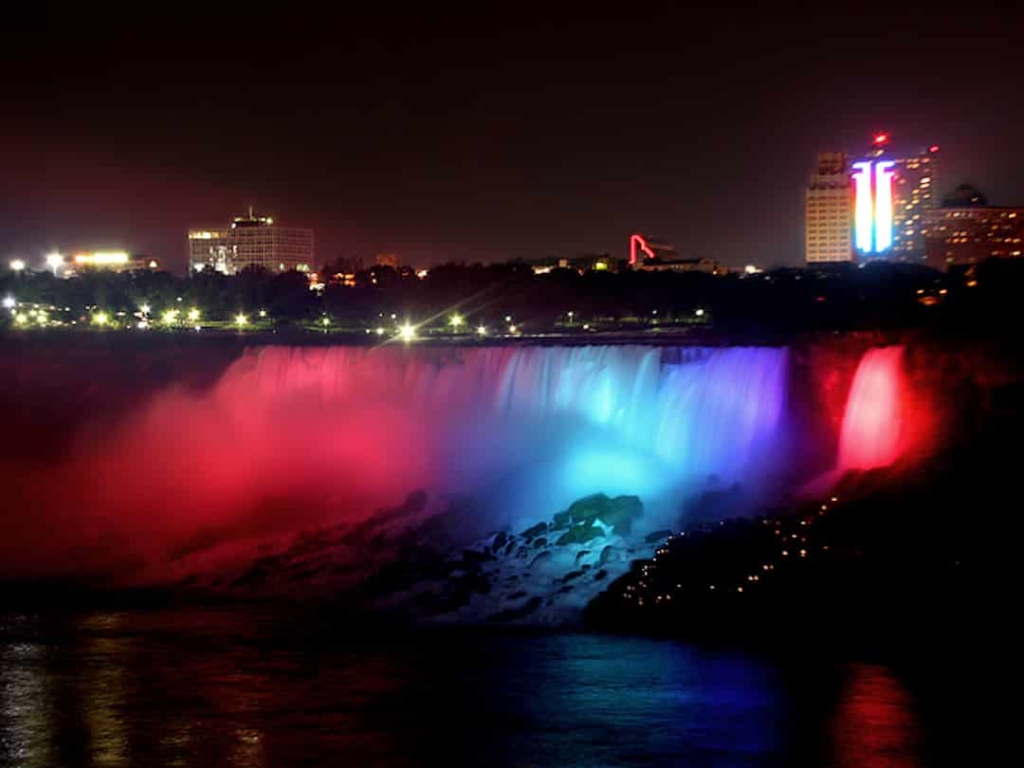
<point x="241" y="320"/>
<point x="100" y="318"/>
<point x="407" y="332"/>
<point x="699" y="313"/>
<point x="10" y="302"/>
<point x="193" y="315"/>
<point x="455" y="321"/>
<point x="54" y="261"/>
<point x="18" y="265"/>
<point x="481" y="330"/>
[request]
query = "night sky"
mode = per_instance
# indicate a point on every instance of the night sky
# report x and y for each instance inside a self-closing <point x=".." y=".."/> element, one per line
<point x="509" y="131"/>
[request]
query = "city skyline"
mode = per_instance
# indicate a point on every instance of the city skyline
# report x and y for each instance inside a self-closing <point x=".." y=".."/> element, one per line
<point x="444" y="139"/>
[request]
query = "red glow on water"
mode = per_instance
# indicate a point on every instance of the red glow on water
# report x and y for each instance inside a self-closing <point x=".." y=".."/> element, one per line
<point x="873" y="418"/>
<point x="875" y="723"/>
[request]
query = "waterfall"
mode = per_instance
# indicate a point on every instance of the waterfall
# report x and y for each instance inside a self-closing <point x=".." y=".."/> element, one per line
<point x="550" y="424"/>
<point x="872" y="421"/>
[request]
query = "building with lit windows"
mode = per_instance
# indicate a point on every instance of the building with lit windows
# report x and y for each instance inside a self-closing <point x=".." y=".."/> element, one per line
<point x="828" y="211"/>
<point x="251" y="241"/>
<point x="966" y="230"/>
<point x="913" y="196"/>
<point x="108" y="261"/>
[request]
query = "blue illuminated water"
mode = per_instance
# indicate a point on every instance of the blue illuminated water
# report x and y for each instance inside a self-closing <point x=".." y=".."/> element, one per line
<point x="531" y="429"/>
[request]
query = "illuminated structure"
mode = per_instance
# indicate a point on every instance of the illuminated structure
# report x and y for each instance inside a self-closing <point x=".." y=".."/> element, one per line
<point x="873" y="206"/>
<point x="885" y="210"/>
<point x="114" y="261"/>
<point x="913" y="196"/>
<point x="251" y="241"/>
<point x="642" y="248"/>
<point x="966" y="230"/>
<point x="387" y="260"/>
<point x="828" y="211"/>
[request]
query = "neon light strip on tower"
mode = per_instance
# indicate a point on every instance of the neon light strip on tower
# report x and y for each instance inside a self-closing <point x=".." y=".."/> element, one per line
<point x="883" y="205"/>
<point x="862" y="235"/>
<point x="873" y="206"/>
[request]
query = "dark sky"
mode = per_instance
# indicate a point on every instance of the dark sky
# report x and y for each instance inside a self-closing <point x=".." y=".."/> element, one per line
<point x="513" y="130"/>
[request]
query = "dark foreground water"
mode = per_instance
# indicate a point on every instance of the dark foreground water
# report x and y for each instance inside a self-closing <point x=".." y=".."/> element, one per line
<point x="260" y="687"/>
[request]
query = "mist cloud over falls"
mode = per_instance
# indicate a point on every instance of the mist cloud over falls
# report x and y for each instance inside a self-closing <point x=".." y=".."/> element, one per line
<point x="293" y="438"/>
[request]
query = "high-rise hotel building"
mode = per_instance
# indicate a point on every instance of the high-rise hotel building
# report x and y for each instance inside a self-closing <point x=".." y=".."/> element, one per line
<point x="915" y="182"/>
<point x="870" y="207"/>
<point x="828" y="209"/>
<point x="251" y="241"/>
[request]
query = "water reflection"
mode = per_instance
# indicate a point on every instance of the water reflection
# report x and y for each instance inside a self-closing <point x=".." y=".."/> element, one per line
<point x="875" y="723"/>
<point x="253" y="689"/>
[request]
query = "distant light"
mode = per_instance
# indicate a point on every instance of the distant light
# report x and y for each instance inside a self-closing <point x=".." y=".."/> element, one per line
<point x="170" y="317"/>
<point x="263" y="313"/>
<point x="54" y="261"/>
<point x="586" y="326"/>
<point x="422" y="274"/>
<point x="102" y="258"/>
<point x="481" y="330"/>
<point x="142" y="325"/>
<point x="881" y="138"/>
<point x="193" y="315"/>
<point x="380" y="331"/>
<point x="241" y="320"/>
<point x="152" y="264"/>
<point x="199" y="267"/>
<point x="100" y="318"/>
<point x="407" y="332"/>
<point x="508" y="318"/>
<point x="325" y="322"/>
<point x="144" y="309"/>
<point x="10" y="302"/>
<point x="750" y="269"/>
<point x="512" y="329"/>
<point x="21" y="318"/>
<point x="17" y="264"/>
<point x="933" y="148"/>
<point x="455" y="320"/>
<point x="699" y="313"/>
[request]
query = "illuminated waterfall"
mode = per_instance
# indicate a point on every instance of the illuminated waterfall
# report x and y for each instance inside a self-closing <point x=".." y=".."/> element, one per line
<point x="873" y="417"/>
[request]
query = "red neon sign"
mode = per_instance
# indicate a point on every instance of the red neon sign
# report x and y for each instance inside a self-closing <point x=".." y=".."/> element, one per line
<point x="638" y="242"/>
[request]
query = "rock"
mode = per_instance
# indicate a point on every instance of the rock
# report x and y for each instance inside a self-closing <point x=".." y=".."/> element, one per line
<point x="609" y="554"/>
<point x="517" y="595"/>
<point x="540" y="558"/>
<point x="600" y="574"/>
<point x="523" y="552"/>
<point x="535" y="530"/>
<point x="586" y="567"/>
<point x="571" y="575"/>
<point x="540" y="541"/>
<point x="472" y="557"/>
<point x="654" y="538"/>
<point x="510" y="614"/>
<point x="499" y="541"/>
<point x="562" y="520"/>
<point x="581" y="554"/>
<point x="620" y="513"/>
<point x="580" y="534"/>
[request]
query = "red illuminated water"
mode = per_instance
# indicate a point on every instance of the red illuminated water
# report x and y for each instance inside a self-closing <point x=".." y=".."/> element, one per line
<point x="873" y="420"/>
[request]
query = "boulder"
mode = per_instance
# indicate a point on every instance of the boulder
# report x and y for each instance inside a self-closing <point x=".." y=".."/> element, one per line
<point x="620" y="513"/>
<point x="654" y="538"/>
<point x="535" y="530"/>
<point x="580" y="534"/>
